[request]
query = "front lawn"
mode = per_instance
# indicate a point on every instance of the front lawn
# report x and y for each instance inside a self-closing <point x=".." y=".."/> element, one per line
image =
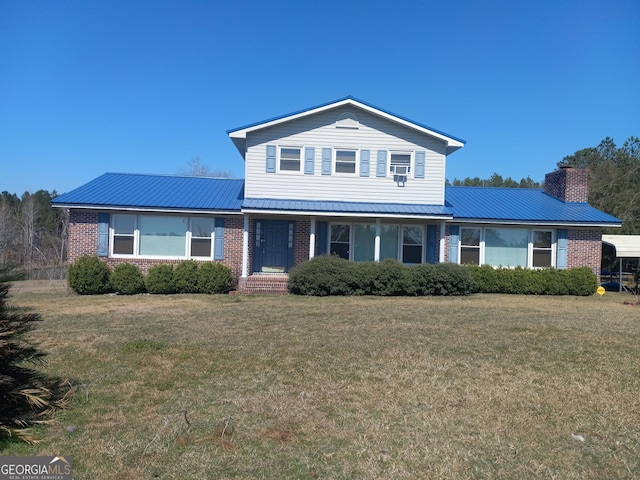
<point x="246" y="387"/>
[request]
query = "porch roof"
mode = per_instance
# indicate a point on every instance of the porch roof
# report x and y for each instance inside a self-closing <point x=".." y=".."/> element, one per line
<point x="328" y="207"/>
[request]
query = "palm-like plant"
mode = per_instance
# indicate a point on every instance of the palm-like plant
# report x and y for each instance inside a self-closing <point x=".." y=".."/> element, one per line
<point x="27" y="395"/>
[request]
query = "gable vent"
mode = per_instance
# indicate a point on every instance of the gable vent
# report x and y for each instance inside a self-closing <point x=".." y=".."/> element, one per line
<point x="347" y="120"/>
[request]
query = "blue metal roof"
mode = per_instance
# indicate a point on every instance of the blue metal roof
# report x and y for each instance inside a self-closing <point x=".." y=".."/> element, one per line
<point x="329" y="206"/>
<point x="165" y="192"/>
<point x="471" y="204"/>
<point x="520" y="205"/>
<point x="348" y="97"/>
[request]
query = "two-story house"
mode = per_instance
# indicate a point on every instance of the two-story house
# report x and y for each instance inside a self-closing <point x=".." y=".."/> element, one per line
<point x="345" y="178"/>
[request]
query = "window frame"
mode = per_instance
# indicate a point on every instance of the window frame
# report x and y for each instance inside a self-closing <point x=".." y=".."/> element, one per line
<point x="530" y="244"/>
<point x="348" y="243"/>
<point x="191" y="237"/>
<point x="391" y="167"/>
<point x="479" y="247"/>
<point x="399" y="236"/>
<point x="552" y="249"/>
<point x="300" y="159"/>
<point x="136" y="238"/>
<point x="334" y="166"/>
<point x="403" y="244"/>
<point x="113" y="235"/>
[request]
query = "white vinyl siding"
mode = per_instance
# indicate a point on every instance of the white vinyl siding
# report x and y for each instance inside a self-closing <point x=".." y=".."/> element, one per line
<point x="373" y="134"/>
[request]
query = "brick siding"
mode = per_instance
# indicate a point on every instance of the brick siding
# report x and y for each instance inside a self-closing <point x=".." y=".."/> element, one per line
<point x="584" y="249"/>
<point x="584" y="245"/>
<point x="568" y="184"/>
<point x="83" y="234"/>
<point x="83" y="240"/>
<point x="301" y="239"/>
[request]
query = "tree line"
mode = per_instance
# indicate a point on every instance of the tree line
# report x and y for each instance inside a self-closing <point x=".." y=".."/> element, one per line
<point x="33" y="234"/>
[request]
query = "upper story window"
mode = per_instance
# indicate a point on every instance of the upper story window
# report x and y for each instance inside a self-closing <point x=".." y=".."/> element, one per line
<point x="345" y="161"/>
<point x="290" y="159"/>
<point x="400" y="163"/>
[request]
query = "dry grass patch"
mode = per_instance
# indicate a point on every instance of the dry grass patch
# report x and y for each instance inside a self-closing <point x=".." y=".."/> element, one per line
<point x="487" y="386"/>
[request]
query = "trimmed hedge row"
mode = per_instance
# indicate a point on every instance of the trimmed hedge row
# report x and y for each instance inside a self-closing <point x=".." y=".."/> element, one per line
<point x="90" y="276"/>
<point x="332" y="275"/>
<point x="548" y="281"/>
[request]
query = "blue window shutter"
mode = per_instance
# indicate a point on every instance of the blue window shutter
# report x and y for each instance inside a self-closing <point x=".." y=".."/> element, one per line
<point x="381" y="166"/>
<point x="431" y="243"/>
<point x="454" y="238"/>
<point x="327" y="153"/>
<point x="364" y="163"/>
<point x="322" y="229"/>
<point x="561" y="261"/>
<point x="309" y="157"/>
<point x="271" y="159"/>
<point x="103" y="234"/>
<point x="419" y="172"/>
<point x="218" y="247"/>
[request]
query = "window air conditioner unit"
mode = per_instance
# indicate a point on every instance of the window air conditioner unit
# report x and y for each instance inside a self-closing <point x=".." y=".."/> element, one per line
<point x="400" y="170"/>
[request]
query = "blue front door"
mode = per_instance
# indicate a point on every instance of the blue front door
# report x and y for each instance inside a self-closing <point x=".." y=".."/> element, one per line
<point x="273" y="246"/>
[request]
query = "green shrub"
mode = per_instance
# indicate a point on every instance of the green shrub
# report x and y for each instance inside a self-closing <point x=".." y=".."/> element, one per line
<point x="451" y="279"/>
<point x="127" y="279"/>
<point x="185" y="276"/>
<point x="214" y="278"/>
<point x="546" y="281"/>
<point x="159" y="279"/>
<point x="321" y="276"/>
<point x="89" y="276"/>
<point x="331" y="275"/>
<point x="582" y="281"/>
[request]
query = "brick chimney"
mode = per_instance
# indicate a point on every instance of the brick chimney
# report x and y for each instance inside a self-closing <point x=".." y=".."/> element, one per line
<point x="568" y="184"/>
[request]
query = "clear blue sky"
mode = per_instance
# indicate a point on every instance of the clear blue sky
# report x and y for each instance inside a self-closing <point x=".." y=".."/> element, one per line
<point x="88" y="87"/>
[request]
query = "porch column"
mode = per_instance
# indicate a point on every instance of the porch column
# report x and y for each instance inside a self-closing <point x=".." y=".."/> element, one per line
<point x="443" y="226"/>
<point x="376" y="248"/>
<point x="312" y="238"/>
<point x="245" y="247"/>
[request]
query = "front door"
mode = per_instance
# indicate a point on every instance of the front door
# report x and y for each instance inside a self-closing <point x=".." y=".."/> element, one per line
<point x="274" y="245"/>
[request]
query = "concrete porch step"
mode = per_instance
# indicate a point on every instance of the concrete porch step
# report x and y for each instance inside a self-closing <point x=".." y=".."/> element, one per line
<point x="265" y="283"/>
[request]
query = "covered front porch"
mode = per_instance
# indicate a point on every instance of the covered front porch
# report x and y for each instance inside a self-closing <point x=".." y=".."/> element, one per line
<point x="273" y="244"/>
